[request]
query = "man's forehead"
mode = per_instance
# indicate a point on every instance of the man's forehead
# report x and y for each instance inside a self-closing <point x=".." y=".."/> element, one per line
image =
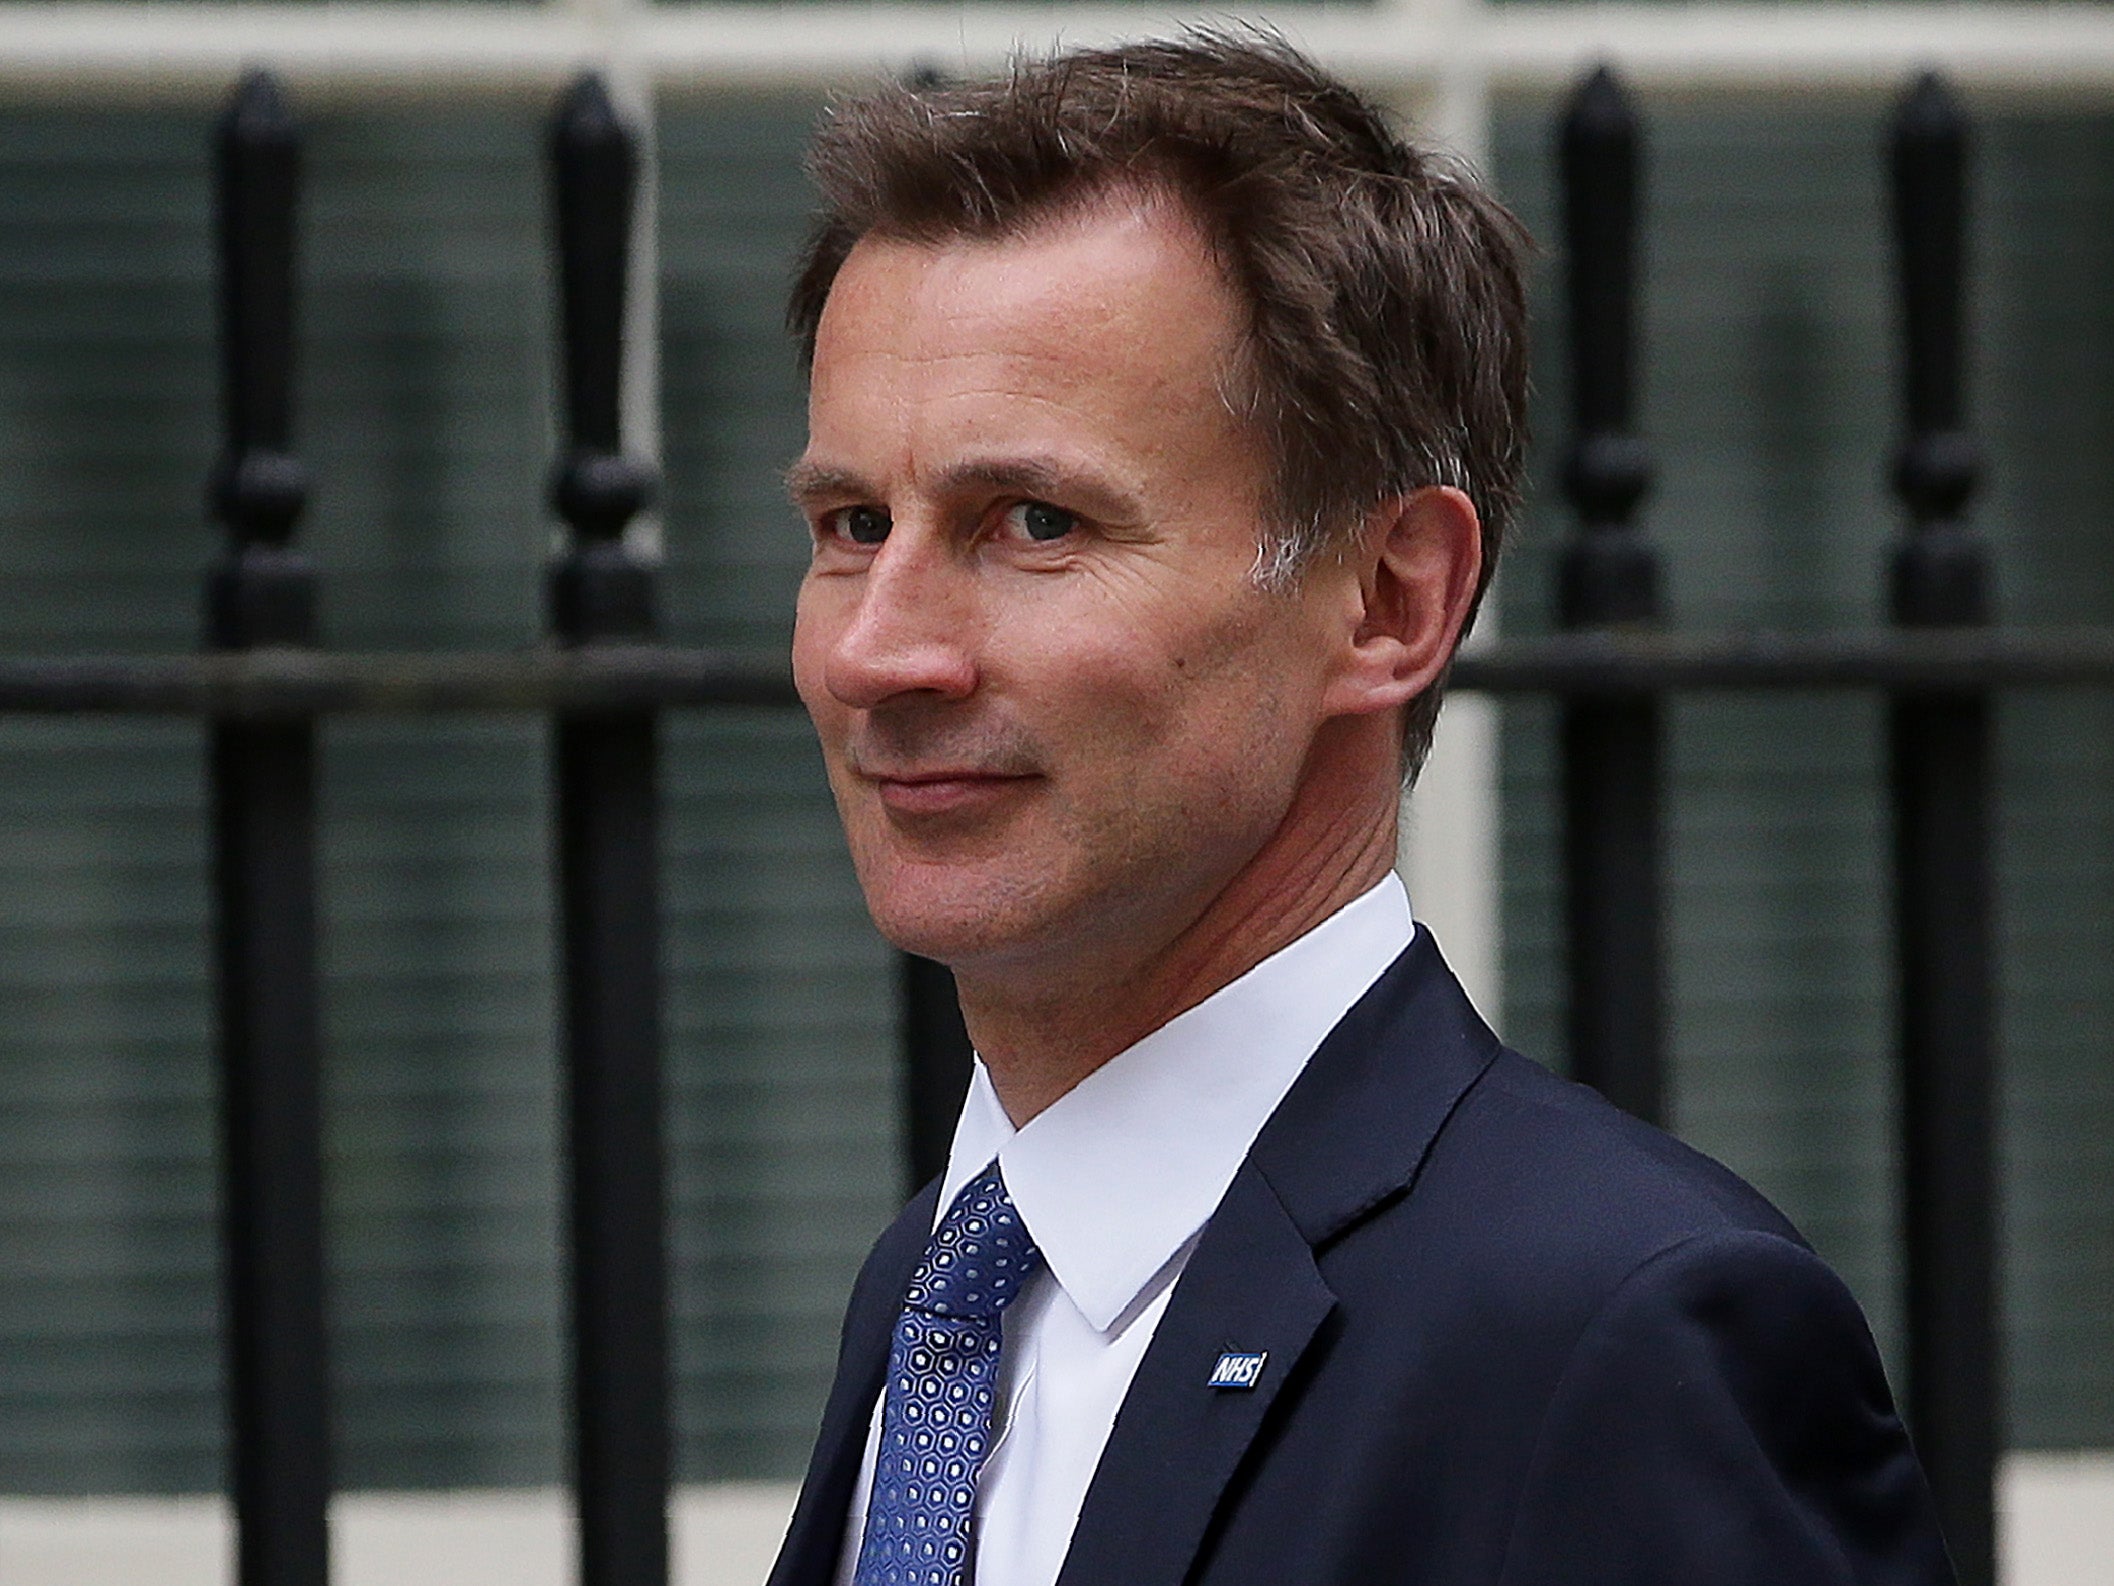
<point x="1098" y="345"/>
<point x="1116" y="265"/>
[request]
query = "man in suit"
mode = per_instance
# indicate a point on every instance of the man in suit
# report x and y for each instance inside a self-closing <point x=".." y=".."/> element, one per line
<point x="1165" y="415"/>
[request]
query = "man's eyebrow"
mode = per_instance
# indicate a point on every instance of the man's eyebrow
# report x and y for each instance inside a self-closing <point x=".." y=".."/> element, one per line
<point x="1040" y="478"/>
<point x="809" y="481"/>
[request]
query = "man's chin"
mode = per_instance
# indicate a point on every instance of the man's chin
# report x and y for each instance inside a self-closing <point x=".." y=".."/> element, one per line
<point x="949" y="936"/>
<point x="957" y="920"/>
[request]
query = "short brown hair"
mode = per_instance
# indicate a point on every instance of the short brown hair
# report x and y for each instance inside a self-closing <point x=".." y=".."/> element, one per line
<point x="1385" y="347"/>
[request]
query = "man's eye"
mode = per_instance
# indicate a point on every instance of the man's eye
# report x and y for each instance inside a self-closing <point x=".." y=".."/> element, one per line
<point x="860" y="525"/>
<point x="1040" y="521"/>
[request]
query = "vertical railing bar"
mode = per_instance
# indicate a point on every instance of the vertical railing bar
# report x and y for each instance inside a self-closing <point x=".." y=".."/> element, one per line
<point x="936" y="1050"/>
<point x="262" y="793"/>
<point x="936" y="1065"/>
<point x="1609" y="746"/>
<point x="608" y="861"/>
<point x="1940" y="767"/>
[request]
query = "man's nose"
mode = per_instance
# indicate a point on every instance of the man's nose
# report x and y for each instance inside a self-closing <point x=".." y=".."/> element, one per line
<point x="910" y="632"/>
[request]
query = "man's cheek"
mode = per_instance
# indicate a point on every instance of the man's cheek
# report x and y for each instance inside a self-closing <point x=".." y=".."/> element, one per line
<point x="815" y="630"/>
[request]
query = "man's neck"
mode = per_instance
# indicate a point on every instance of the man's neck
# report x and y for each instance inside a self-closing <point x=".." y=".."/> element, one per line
<point x="1039" y="1036"/>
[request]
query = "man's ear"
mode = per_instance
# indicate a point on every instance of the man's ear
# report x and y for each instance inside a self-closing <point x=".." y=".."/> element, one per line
<point x="1419" y="562"/>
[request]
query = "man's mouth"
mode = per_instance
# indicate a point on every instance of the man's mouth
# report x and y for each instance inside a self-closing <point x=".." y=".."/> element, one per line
<point x="943" y="790"/>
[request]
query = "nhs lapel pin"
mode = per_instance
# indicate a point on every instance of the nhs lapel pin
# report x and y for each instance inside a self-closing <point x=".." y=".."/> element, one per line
<point x="1236" y="1370"/>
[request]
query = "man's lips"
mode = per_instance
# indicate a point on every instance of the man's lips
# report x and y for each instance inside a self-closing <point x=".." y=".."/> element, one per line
<point x="942" y="791"/>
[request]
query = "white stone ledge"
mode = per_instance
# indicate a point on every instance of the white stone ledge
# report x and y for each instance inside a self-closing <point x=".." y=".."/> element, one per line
<point x="360" y="48"/>
<point x="723" y="1535"/>
<point x="2058" y="1530"/>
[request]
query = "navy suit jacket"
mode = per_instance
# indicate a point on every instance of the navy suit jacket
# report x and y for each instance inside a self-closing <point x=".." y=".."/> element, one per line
<point x="1515" y="1338"/>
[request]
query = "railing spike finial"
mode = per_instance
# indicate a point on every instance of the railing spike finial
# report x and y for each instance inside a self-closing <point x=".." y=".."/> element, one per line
<point x="1930" y="108"/>
<point x="586" y="112"/>
<point x="1602" y="106"/>
<point x="258" y="107"/>
<point x="1609" y="471"/>
<point x="594" y="168"/>
<point x="1939" y="466"/>
<point x="258" y="488"/>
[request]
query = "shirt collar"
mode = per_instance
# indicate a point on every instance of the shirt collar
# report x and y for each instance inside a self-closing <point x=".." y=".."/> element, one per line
<point x="1118" y="1174"/>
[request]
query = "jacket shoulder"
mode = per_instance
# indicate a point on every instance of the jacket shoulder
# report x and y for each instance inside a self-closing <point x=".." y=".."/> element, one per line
<point x="1607" y="1360"/>
<point x="1576" y="1161"/>
<point x="1540" y="1202"/>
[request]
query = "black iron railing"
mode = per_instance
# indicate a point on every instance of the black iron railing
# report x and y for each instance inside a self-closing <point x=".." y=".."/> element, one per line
<point x="605" y="681"/>
<point x="606" y="762"/>
<point x="1608" y="582"/>
<point x="261" y="782"/>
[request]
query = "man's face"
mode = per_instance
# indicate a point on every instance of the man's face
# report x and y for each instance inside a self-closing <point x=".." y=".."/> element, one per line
<point x="1059" y="716"/>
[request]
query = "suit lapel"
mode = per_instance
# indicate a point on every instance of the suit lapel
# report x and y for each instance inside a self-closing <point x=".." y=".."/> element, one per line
<point x="814" y="1541"/>
<point x="1351" y="1134"/>
<point x="1251" y="1288"/>
<point x="1347" y="1139"/>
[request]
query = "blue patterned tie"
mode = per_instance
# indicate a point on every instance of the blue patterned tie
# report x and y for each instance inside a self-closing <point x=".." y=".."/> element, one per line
<point x="942" y="1385"/>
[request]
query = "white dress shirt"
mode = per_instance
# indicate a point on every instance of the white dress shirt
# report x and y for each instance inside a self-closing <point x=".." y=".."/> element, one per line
<point x="1115" y="1181"/>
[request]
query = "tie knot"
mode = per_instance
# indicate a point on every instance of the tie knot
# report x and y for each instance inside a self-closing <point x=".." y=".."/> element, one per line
<point x="980" y="1254"/>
